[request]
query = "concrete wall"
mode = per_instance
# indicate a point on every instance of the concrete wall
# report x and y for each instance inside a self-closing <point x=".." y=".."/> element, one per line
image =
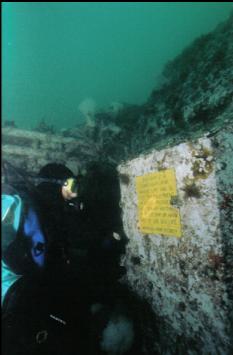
<point x="187" y="280"/>
<point x="32" y="150"/>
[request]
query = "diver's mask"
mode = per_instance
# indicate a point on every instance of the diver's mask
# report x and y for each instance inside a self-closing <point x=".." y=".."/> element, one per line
<point x="71" y="185"/>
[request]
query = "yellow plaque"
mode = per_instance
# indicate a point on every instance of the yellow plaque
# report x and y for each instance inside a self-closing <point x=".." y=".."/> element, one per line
<point x="156" y="215"/>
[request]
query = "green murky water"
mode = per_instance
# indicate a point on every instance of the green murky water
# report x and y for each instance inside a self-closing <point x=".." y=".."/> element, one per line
<point x="60" y="57"/>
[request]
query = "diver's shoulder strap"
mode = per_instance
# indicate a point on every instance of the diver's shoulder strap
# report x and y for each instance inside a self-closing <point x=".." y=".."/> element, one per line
<point x="11" y="210"/>
<point x="11" y="218"/>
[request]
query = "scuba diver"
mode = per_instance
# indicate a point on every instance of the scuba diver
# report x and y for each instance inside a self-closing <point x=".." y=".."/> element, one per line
<point x="24" y="248"/>
<point x="57" y="192"/>
<point x="23" y="238"/>
<point x="40" y="307"/>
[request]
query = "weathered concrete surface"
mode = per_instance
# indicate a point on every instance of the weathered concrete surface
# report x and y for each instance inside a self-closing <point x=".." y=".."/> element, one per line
<point x="187" y="280"/>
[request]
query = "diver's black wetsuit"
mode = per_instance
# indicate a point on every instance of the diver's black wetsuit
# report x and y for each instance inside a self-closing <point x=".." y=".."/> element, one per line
<point x="54" y="212"/>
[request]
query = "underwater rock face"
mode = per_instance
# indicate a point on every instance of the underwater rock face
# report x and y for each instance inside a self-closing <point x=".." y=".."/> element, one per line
<point x="187" y="279"/>
<point x="195" y="96"/>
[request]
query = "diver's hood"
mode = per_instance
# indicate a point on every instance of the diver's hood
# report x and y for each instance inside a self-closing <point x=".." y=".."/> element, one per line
<point x="54" y="171"/>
